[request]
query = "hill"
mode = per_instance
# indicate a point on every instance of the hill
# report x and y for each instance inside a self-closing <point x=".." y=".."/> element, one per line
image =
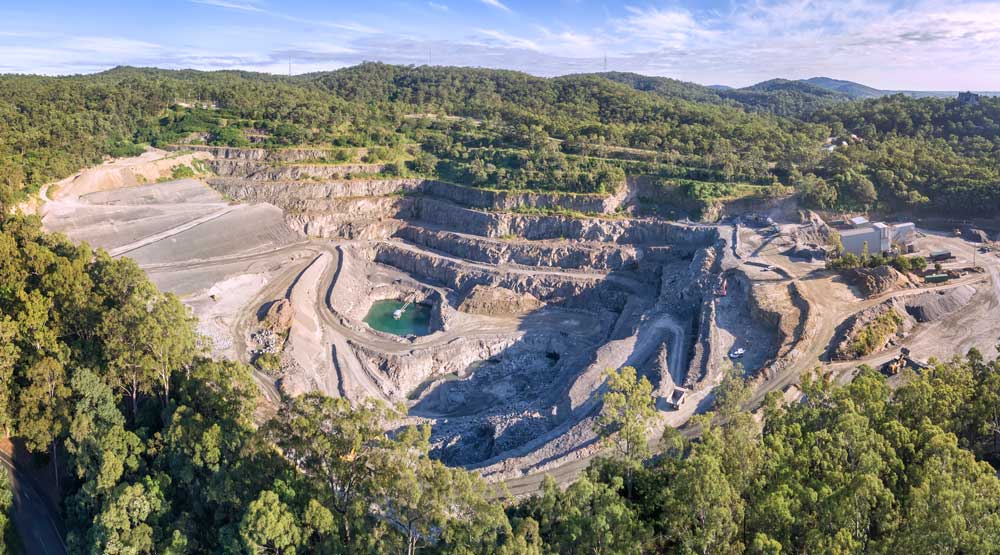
<point x="848" y="88"/>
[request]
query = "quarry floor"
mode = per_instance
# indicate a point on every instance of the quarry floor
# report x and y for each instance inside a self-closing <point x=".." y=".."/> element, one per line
<point x="477" y="372"/>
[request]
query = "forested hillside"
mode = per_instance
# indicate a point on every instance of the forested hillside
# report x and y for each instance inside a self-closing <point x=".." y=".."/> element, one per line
<point x="161" y="450"/>
<point x="580" y="133"/>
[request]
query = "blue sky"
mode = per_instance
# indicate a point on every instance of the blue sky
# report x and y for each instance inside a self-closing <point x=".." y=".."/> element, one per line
<point x="896" y="44"/>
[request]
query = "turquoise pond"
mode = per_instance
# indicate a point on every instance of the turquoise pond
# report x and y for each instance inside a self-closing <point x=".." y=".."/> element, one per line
<point x="416" y="319"/>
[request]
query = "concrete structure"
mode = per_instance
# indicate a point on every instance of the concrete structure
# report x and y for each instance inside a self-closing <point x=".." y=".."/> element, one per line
<point x="879" y="237"/>
<point x="904" y="234"/>
<point x="858" y="221"/>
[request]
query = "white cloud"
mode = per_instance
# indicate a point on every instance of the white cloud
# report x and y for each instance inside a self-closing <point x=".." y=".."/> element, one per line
<point x="496" y="4"/>
<point x="509" y="40"/>
<point x="673" y="28"/>
<point x="438" y="7"/>
<point x="900" y="44"/>
<point x="245" y="6"/>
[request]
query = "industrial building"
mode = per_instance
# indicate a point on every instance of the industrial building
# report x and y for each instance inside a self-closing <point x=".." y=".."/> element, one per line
<point x="879" y="237"/>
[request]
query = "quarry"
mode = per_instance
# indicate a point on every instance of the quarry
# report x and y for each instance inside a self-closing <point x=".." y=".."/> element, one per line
<point x="494" y="315"/>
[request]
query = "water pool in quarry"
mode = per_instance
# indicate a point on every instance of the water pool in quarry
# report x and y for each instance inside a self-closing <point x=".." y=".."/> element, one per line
<point x="415" y="319"/>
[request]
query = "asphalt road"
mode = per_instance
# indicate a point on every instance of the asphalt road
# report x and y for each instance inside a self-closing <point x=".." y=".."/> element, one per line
<point x="35" y="519"/>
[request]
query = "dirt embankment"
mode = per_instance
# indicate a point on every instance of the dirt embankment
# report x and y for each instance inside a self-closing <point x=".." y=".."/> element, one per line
<point x="870" y="330"/>
<point x="149" y="167"/>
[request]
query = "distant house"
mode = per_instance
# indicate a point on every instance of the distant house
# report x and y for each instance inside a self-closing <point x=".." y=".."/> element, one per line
<point x="858" y="221"/>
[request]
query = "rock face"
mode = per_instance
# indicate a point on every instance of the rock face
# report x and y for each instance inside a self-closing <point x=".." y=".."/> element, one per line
<point x="290" y="194"/>
<point x="514" y="200"/>
<point x="875" y="281"/>
<point x="254" y="170"/>
<point x="534" y="228"/>
<point x="498" y="301"/>
<point x="279" y="316"/>
<point x="258" y="154"/>
<point x="558" y="254"/>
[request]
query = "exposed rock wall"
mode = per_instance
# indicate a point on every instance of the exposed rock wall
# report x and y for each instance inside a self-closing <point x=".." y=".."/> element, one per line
<point x="701" y="369"/>
<point x="255" y="170"/>
<point x="406" y="371"/>
<point x="625" y="231"/>
<point x="512" y="200"/>
<point x="286" y="193"/>
<point x="562" y="254"/>
<point x="257" y="154"/>
<point x="463" y="277"/>
<point x="771" y="304"/>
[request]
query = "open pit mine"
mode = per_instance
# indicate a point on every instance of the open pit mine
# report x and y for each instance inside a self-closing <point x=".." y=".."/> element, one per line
<point x="490" y="316"/>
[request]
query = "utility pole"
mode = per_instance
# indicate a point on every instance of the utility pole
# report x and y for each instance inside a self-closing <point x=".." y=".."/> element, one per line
<point x="289" y="66"/>
<point x="429" y="56"/>
<point x="605" y="61"/>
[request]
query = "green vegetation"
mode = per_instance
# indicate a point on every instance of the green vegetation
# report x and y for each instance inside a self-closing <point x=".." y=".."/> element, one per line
<point x="507" y="130"/>
<point x="9" y="541"/>
<point x="850" y="261"/>
<point x="876" y="333"/>
<point x="182" y="171"/>
<point x="269" y="363"/>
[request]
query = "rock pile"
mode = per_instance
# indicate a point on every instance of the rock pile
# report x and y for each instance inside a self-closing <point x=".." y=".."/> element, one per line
<point x="875" y="281"/>
<point x="497" y="301"/>
<point x="279" y="316"/>
<point x="266" y="342"/>
<point x="935" y="305"/>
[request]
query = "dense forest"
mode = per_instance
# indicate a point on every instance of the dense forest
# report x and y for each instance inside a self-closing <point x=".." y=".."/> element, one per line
<point x="509" y="130"/>
<point x="161" y="450"/>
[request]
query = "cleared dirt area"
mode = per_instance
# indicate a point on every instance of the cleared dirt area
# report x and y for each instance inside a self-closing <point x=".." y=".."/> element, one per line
<point x="525" y="313"/>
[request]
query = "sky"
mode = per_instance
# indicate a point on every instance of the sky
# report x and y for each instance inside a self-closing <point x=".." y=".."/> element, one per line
<point x="888" y="44"/>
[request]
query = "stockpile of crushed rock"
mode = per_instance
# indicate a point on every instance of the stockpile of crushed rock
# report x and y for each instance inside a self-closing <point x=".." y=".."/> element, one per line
<point x="875" y="281"/>
<point x="935" y="305"/>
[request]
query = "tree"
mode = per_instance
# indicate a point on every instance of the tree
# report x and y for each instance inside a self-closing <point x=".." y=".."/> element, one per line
<point x="588" y="517"/>
<point x="428" y="502"/>
<point x="9" y="357"/>
<point x="269" y="526"/>
<point x="338" y="446"/>
<point x="170" y="339"/>
<point x="126" y="525"/>
<point x="44" y="412"/>
<point x="625" y="417"/>
<point x="100" y="447"/>
<point x="7" y="533"/>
